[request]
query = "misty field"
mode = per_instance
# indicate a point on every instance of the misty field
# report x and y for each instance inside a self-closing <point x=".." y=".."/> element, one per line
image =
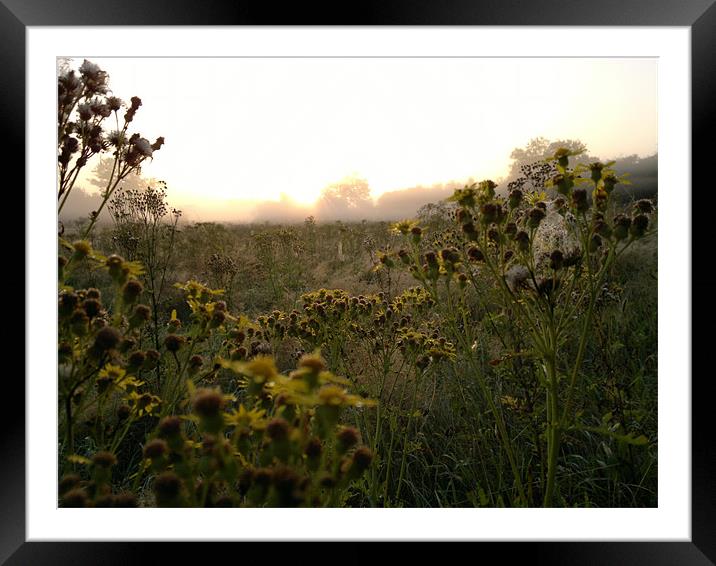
<point x="495" y="349"/>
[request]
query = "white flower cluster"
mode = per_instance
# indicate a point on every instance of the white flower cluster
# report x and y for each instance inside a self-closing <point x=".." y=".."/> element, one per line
<point x="144" y="147"/>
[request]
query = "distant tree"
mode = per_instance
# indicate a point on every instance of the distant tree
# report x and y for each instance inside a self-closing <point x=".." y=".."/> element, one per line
<point x="88" y="199"/>
<point x="348" y="198"/>
<point x="102" y="173"/>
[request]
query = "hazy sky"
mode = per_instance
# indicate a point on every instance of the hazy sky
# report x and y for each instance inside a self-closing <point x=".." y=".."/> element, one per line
<point x="247" y="129"/>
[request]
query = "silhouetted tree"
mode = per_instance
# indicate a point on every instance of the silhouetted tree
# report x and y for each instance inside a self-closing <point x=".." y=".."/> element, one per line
<point x="348" y="198"/>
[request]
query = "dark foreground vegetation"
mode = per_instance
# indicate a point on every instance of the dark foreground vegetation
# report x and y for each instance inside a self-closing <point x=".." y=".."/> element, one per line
<point x="497" y="350"/>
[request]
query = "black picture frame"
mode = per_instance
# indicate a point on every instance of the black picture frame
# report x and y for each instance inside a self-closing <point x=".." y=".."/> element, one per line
<point x="699" y="15"/>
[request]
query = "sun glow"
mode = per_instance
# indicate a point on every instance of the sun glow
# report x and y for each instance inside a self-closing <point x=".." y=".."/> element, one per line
<point x="249" y="130"/>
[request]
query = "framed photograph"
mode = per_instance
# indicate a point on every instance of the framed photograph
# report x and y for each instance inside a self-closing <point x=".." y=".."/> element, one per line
<point x="397" y="278"/>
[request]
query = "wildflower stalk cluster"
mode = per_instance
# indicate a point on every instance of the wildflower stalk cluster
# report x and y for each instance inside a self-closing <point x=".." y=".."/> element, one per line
<point x="550" y="293"/>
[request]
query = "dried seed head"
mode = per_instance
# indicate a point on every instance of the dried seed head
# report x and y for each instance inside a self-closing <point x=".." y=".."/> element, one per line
<point x="68" y="482"/>
<point x="475" y="254"/>
<point x="125" y="499"/>
<point x="602" y="228"/>
<point x="515" y="198"/>
<point x="75" y="498"/>
<point x="93" y="293"/>
<point x="132" y="290"/>
<point x="104" y="459"/>
<point x="622" y="224"/>
<point x="347" y="438"/>
<point x="579" y="200"/>
<point x="167" y="487"/>
<point x="431" y="258"/>
<point x="174" y="342"/>
<point x="313" y="448"/>
<point x="559" y="203"/>
<point x="362" y="458"/>
<point x="644" y="206"/>
<point x="488" y="213"/>
<point x="522" y="239"/>
<point x="142" y="312"/>
<point x="208" y="403"/>
<point x="169" y="427"/>
<point x="639" y="225"/>
<point x="92" y="307"/>
<point x="123" y="412"/>
<point x="535" y="215"/>
<point x="218" y="318"/>
<point x="64" y="351"/>
<point x="596" y="170"/>
<point x="136" y="359"/>
<point x="152" y="359"/>
<point x="277" y="429"/>
<point x="155" y="449"/>
<point x="313" y="362"/>
<point x="106" y="339"/>
<point x="262" y="477"/>
<point x="67" y="303"/>
<point x="327" y="481"/>
<point x="556" y="259"/>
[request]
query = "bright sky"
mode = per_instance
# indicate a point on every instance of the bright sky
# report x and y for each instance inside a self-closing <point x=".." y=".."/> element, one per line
<point x="252" y="129"/>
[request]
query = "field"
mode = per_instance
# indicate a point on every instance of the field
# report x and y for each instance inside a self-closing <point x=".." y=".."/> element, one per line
<point x="496" y="350"/>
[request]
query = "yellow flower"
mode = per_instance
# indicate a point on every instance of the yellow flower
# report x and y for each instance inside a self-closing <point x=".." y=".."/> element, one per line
<point x="403" y="227"/>
<point x="115" y="373"/>
<point x="242" y="418"/>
